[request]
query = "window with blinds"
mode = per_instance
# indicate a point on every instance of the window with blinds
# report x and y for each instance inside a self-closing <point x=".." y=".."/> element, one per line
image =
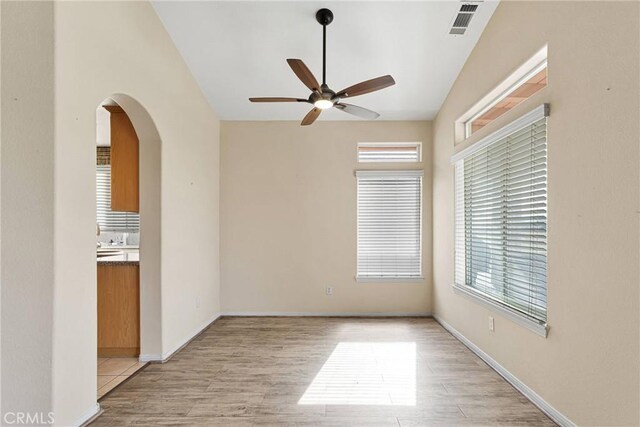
<point x="371" y="152"/>
<point x="389" y="225"/>
<point x="107" y="219"/>
<point x="501" y="217"/>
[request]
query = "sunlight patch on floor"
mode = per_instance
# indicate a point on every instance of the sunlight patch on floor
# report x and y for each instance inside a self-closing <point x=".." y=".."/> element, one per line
<point x="366" y="373"/>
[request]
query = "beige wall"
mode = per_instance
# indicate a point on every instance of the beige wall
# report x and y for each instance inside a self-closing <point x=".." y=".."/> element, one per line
<point x="587" y="368"/>
<point x="26" y="174"/>
<point x="288" y="218"/>
<point x="48" y="194"/>
<point x="0" y="206"/>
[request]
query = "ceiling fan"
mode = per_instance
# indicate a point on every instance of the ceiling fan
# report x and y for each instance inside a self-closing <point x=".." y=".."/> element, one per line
<point x="322" y="97"/>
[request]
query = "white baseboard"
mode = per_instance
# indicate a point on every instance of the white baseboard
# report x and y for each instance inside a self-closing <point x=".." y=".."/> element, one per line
<point x="323" y="314"/>
<point x="164" y="357"/>
<point x="89" y="416"/>
<point x="151" y="357"/>
<point x="535" y="398"/>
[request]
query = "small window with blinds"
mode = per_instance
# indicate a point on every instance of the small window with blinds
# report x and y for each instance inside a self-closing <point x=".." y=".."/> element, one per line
<point x="501" y="217"/>
<point x="109" y="220"/>
<point x="389" y="225"/>
<point x="389" y="152"/>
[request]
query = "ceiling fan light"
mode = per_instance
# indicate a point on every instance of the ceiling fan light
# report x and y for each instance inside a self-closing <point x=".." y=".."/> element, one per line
<point x="323" y="104"/>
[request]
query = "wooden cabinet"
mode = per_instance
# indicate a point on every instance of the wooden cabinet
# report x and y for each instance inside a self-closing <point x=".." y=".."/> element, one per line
<point x="124" y="162"/>
<point x="118" y="309"/>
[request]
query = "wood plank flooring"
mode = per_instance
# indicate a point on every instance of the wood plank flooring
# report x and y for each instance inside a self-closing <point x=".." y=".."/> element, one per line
<point x="321" y="372"/>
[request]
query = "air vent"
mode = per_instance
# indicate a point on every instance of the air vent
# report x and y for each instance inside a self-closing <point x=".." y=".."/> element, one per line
<point x="463" y="18"/>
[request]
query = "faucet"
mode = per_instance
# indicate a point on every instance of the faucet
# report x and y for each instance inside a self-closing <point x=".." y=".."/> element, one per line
<point x="98" y="243"/>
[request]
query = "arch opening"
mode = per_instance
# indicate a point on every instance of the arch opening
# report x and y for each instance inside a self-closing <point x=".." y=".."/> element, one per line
<point x="148" y="240"/>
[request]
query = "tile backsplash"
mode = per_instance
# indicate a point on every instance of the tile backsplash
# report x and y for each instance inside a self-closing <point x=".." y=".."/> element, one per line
<point x="109" y="238"/>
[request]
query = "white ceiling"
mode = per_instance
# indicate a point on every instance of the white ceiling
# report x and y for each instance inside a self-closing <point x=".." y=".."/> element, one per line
<point x="238" y="49"/>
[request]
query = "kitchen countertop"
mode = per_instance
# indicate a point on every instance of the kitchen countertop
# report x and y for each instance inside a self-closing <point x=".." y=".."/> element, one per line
<point x="121" y="258"/>
<point x="108" y="247"/>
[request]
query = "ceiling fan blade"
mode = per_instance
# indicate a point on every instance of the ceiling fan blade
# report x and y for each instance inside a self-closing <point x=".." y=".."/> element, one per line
<point x="277" y="99"/>
<point x="311" y="117"/>
<point x="304" y="74"/>
<point x="366" y="87"/>
<point x="363" y="113"/>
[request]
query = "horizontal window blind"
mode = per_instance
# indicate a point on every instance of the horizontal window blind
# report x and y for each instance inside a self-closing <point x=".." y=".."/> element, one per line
<point x="389" y="152"/>
<point x="501" y="220"/>
<point x="107" y="219"/>
<point x="389" y="224"/>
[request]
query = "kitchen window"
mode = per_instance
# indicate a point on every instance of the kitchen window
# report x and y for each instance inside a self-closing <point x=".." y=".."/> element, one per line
<point x="108" y="220"/>
<point x="501" y="220"/>
<point x="389" y="231"/>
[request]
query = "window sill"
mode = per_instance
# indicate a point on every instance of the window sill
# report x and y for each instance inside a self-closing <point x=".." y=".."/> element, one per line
<point x="539" y="328"/>
<point x="419" y="279"/>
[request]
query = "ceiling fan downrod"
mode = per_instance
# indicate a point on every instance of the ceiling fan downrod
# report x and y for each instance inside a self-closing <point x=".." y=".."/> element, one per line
<point x="324" y="18"/>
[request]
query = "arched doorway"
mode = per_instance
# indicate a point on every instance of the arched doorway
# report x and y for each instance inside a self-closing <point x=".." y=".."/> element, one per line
<point x="149" y="208"/>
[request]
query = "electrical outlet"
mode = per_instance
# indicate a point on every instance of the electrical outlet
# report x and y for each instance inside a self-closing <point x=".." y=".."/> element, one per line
<point x="329" y="290"/>
<point x="197" y="302"/>
<point x="492" y="326"/>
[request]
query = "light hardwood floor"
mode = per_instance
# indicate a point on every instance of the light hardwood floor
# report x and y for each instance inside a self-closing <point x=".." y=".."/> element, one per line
<point x="321" y="372"/>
